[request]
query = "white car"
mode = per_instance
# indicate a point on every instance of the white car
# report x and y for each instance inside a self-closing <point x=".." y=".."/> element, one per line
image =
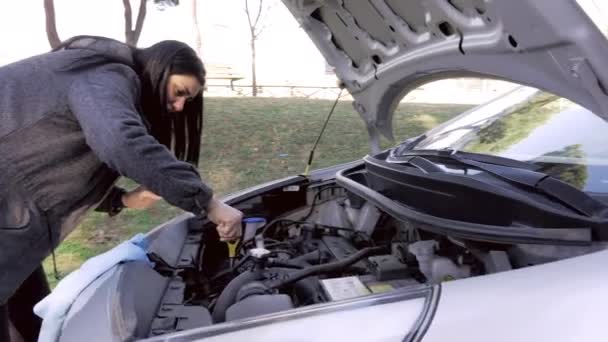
<point x="491" y="227"/>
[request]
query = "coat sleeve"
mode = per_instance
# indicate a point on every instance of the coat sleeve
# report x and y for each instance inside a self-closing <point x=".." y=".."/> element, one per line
<point x="103" y="101"/>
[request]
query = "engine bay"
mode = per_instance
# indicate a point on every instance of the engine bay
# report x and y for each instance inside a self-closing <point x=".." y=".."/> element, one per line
<point x="310" y="244"/>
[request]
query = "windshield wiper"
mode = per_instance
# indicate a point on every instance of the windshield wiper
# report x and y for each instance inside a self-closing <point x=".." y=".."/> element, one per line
<point x="512" y="171"/>
<point x="396" y="156"/>
<point x="410" y="143"/>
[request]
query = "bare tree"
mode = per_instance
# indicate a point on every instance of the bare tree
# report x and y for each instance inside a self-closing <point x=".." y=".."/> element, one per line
<point x="255" y="29"/>
<point x="132" y="34"/>
<point x="197" y="30"/>
<point x="51" y="26"/>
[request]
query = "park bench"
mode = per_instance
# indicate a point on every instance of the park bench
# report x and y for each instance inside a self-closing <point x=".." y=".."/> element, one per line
<point x="223" y="72"/>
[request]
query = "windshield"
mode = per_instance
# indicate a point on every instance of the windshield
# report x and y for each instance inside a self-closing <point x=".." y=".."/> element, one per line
<point x="567" y="140"/>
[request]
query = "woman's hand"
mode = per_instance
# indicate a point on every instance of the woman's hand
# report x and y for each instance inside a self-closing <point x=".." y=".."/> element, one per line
<point x="227" y="218"/>
<point x="140" y="198"/>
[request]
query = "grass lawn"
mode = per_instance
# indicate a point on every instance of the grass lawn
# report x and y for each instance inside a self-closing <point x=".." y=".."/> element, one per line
<point x="247" y="141"/>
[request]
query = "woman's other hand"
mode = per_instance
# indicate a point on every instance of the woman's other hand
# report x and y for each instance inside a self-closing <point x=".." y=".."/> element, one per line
<point x="140" y="198"/>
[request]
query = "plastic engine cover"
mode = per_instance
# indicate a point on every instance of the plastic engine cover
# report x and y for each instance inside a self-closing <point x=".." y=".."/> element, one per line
<point x="258" y="305"/>
<point x="388" y="267"/>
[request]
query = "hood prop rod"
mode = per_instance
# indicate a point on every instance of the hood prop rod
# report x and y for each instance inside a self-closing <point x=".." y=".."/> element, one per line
<point x="314" y="147"/>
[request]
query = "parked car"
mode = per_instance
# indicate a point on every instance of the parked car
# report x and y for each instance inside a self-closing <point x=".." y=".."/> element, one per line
<point x="490" y="227"/>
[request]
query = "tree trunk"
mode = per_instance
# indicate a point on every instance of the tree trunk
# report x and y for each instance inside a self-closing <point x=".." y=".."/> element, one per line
<point x="51" y="27"/>
<point x="197" y="31"/>
<point x="254" y="82"/>
<point x="254" y="31"/>
<point x="132" y="35"/>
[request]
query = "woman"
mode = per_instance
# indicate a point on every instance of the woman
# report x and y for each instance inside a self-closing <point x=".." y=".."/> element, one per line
<point x="71" y="122"/>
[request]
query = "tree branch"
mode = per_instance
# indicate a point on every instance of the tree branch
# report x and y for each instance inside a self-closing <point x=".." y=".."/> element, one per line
<point x="248" y="14"/>
<point x="128" y="21"/>
<point x="257" y="18"/>
<point x="141" y="16"/>
<point x="259" y="31"/>
<point x="197" y="30"/>
<point x="51" y="27"/>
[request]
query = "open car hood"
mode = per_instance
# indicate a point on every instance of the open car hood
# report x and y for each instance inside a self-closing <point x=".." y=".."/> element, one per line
<point x="382" y="49"/>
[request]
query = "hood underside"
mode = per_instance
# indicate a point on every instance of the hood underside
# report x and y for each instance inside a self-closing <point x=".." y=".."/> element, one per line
<point x="382" y="49"/>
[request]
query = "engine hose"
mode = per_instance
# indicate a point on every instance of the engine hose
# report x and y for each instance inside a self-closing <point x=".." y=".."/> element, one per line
<point x="310" y="257"/>
<point x="307" y="289"/>
<point x="330" y="267"/>
<point x="228" y="295"/>
<point x="282" y="264"/>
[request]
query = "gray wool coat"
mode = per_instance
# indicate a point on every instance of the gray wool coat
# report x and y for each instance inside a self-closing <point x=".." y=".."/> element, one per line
<point x="65" y="138"/>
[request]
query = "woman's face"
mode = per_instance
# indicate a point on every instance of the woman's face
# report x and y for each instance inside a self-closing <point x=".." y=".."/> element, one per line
<point x="181" y="88"/>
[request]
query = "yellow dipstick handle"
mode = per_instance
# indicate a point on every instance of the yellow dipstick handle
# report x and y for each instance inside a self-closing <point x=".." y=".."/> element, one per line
<point x="232" y="248"/>
<point x="232" y="251"/>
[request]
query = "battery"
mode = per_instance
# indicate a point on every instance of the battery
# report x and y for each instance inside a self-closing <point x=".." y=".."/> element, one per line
<point x="344" y="288"/>
<point x="358" y="286"/>
<point x="377" y="286"/>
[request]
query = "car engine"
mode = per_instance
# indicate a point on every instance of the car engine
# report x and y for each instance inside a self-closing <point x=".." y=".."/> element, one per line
<point x="311" y="244"/>
<point x="336" y="248"/>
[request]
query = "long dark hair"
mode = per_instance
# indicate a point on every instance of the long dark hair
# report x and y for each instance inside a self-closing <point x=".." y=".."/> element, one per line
<point x="179" y="132"/>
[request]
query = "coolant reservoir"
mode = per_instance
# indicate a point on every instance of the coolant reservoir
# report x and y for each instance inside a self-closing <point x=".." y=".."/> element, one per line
<point x="425" y="254"/>
<point x="445" y="269"/>
<point x="436" y="268"/>
<point x="251" y="226"/>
